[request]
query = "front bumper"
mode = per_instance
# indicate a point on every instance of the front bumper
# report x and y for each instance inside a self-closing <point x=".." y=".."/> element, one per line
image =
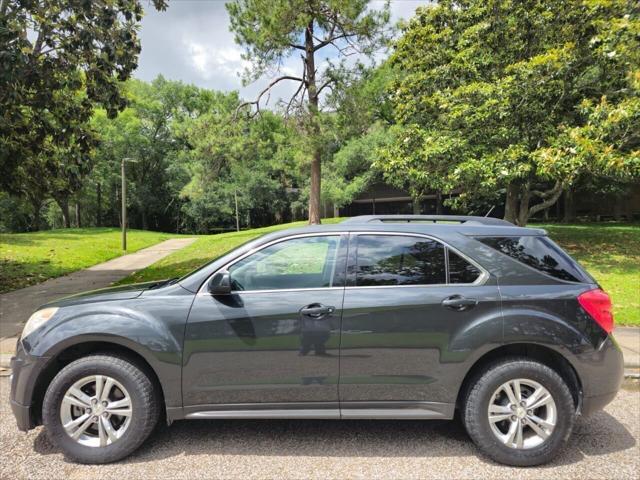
<point x="23" y="416"/>
<point x="25" y="370"/>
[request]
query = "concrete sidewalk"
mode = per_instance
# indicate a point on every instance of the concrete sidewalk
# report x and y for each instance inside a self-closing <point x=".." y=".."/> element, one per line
<point x="629" y="340"/>
<point x="17" y="306"/>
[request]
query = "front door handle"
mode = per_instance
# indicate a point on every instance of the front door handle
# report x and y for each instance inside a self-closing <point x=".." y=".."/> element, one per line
<point x="317" y="310"/>
<point x="459" y="303"/>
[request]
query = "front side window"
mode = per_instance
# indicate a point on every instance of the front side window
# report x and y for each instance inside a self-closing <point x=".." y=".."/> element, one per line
<point x="306" y="262"/>
<point x="399" y="260"/>
<point x="539" y="253"/>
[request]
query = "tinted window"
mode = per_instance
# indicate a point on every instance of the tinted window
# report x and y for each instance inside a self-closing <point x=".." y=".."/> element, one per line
<point x="461" y="271"/>
<point x="398" y="260"/>
<point x="539" y="253"/>
<point x="307" y="262"/>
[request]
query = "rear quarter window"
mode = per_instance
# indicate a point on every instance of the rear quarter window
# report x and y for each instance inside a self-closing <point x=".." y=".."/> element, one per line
<point x="539" y="253"/>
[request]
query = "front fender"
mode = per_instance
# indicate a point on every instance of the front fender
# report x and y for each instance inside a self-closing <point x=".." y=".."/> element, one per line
<point x="152" y="328"/>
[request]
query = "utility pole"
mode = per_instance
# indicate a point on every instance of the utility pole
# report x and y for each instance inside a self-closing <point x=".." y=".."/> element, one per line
<point x="235" y="196"/>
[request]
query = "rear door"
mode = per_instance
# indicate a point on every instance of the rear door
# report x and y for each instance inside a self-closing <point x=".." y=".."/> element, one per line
<point x="409" y="303"/>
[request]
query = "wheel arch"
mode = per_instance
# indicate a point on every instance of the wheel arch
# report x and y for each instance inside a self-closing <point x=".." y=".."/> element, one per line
<point x="83" y="348"/>
<point x="543" y="354"/>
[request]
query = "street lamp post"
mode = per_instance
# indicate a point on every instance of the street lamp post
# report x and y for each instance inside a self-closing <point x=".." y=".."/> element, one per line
<point x="124" y="202"/>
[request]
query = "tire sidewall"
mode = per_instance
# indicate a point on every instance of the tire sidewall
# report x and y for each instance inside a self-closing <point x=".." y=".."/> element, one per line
<point x="75" y="371"/>
<point x="480" y="397"/>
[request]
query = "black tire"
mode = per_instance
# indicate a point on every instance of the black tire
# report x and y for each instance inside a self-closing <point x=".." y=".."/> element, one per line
<point x="144" y="405"/>
<point x="480" y="392"/>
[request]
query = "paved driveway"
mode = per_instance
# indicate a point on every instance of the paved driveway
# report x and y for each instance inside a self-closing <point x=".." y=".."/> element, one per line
<point x="603" y="446"/>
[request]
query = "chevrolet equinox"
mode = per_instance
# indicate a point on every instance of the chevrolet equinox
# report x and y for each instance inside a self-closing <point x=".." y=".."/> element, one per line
<point x="378" y="317"/>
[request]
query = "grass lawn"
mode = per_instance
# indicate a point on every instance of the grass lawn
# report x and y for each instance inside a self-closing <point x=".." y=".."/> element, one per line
<point x="30" y="258"/>
<point x="611" y="253"/>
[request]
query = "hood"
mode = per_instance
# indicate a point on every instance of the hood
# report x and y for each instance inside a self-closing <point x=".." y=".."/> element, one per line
<point x="124" y="292"/>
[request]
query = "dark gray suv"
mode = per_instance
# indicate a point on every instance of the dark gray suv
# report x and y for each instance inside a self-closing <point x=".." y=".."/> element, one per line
<point x="379" y="317"/>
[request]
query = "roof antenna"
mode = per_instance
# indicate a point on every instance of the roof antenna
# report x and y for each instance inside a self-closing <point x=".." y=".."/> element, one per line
<point x="490" y="210"/>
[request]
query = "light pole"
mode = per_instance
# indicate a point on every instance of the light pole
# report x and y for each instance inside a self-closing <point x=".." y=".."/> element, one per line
<point x="124" y="202"/>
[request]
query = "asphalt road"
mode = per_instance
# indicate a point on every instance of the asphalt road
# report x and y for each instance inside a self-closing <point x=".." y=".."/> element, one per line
<point x="604" y="445"/>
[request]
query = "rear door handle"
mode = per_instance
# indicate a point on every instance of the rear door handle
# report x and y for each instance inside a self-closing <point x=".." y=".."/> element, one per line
<point x="459" y="303"/>
<point x="317" y="310"/>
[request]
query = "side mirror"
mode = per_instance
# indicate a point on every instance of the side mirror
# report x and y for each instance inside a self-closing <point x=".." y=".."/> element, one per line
<point x="220" y="284"/>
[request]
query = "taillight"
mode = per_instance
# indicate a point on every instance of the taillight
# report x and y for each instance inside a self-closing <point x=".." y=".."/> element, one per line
<point x="598" y="304"/>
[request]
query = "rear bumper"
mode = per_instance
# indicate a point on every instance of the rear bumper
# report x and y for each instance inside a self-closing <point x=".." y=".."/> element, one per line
<point x="593" y="404"/>
<point x="601" y="373"/>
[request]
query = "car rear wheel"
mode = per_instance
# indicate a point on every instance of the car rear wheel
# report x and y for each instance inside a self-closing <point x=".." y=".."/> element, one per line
<point x="519" y="412"/>
<point x="100" y="408"/>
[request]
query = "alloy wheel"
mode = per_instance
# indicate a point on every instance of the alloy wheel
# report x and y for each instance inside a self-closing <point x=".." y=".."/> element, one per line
<point x="522" y="414"/>
<point x="96" y="411"/>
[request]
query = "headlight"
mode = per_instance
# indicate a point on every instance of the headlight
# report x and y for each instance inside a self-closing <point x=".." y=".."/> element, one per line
<point x="38" y="319"/>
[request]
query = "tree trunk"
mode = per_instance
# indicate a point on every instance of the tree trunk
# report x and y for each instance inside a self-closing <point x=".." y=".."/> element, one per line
<point x="37" y="206"/>
<point x="511" y="203"/>
<point x="145" y="219"/>
<point x="78" y="220"/>
<point x="314" y="194"/>
<point x="569" y="213"/>
<point x="524" y="212"/>
<point x="438" y="203"/>
<point x="548" y="197"/>
<point x="99" y="209"/>
<point x="63" y="203"/>
<point x="316" y="175"/>
<point x="416" y="206"/>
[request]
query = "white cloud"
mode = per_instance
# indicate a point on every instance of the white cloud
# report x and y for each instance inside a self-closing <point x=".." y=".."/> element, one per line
<point x="210" y="61"/>
<point x="191" y="42"/>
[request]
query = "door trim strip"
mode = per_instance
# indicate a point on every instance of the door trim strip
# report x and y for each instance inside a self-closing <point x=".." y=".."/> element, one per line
<point x="392" y="410"/>
<point x="267" y="413"/>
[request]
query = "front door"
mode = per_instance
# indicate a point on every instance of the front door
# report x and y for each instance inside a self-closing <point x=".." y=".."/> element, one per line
<point x="409" y="312"/>
<point x="275" y="338"/>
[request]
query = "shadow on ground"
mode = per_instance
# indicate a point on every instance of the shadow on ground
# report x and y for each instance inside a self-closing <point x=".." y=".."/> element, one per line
<point x="599" y="434"/>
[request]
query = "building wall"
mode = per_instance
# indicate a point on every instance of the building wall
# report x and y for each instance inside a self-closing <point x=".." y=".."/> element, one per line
<point x="384" y="199"/>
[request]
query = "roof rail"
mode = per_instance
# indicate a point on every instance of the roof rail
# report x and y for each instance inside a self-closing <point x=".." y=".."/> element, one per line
<point x="427" y="218"/>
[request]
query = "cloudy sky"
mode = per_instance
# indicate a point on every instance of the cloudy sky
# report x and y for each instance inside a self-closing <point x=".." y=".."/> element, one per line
<point x="191" y="42"/>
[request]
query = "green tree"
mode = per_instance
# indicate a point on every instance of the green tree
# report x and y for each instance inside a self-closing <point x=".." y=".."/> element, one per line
<point x="151" y="132"/>
<point x="59" y="59"/>
<point x="251" y="161"/>
<point x="489" y="87"/>
<point x="357" y="128"/>
<point x="273" y="30"/>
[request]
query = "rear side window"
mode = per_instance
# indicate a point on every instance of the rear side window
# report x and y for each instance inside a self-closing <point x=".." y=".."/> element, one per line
<point x="398" y="260"/>
<point x="539" y="253"/>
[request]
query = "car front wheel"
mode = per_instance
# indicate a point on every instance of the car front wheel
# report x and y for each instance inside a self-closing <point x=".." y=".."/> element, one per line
<point x="519" y="412"/>
<point x="100" y="408"/>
